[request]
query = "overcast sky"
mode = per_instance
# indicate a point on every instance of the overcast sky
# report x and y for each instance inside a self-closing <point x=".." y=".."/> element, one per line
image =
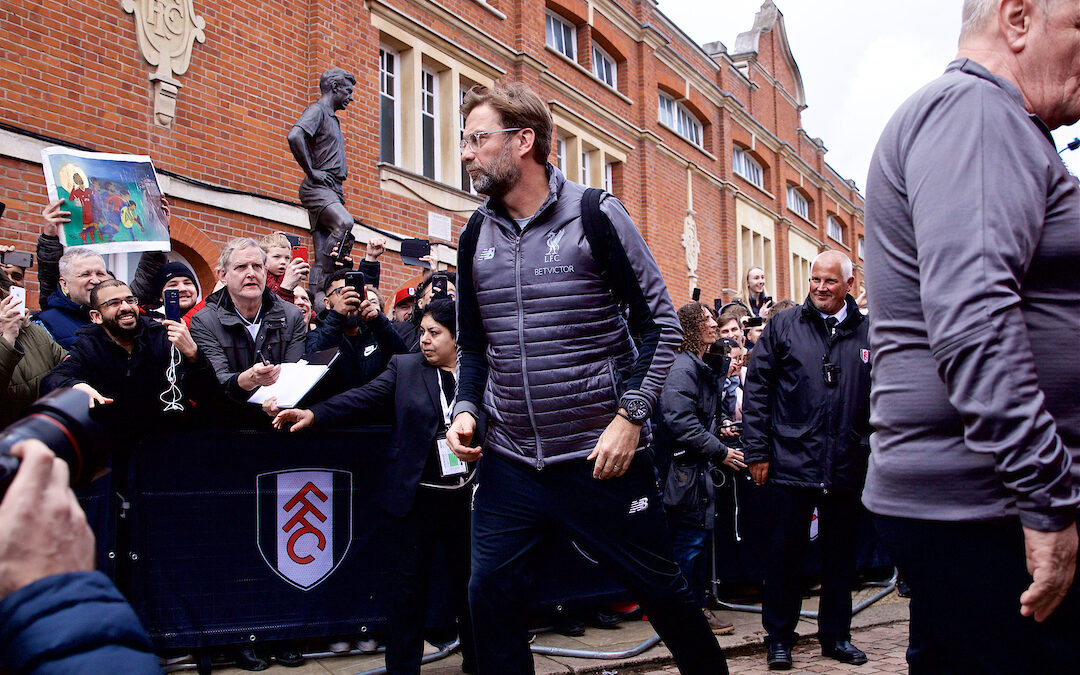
<point x="859" y="61"/>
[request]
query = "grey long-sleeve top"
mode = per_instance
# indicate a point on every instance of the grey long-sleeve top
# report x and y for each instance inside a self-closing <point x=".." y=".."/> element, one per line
<point x="973" y="274"/>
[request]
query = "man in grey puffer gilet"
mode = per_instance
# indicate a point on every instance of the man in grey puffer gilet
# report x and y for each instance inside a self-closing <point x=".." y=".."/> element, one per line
<point x="545" y="349"/>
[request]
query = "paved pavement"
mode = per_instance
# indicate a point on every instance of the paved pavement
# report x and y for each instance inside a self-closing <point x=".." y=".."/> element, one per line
<point x="880" y="630"/>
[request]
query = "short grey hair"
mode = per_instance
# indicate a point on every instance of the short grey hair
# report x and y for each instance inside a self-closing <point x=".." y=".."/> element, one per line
<point x="67" y="261"/>
<point x="846" y="267"/>
<point x="977" y="13"/>
<point x="238" y="244"/>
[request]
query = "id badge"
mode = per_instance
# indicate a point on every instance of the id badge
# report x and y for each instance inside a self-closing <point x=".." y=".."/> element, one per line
<point x="449" y="464"/>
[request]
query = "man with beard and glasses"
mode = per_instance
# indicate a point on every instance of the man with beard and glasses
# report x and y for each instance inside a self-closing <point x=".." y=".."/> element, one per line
<point x="545" y="349"/>
<point x="121" y="359"/>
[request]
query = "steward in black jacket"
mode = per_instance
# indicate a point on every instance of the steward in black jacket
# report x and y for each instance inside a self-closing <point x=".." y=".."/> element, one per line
<point x="812" y="434"/>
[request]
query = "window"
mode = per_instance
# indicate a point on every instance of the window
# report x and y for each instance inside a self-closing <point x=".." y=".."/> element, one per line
<point x="835" y="229"/>
<point x="603" y="66"/>
<point x="466" y="181"/>
<point x="676" y="117"/>
<point x="797" y="203"/>
<point x="862" y="243"/>
<point x="429" y="128"/>
<point x="561" y="36"/>
<point x="388" y="105"/>
<point x="609" y="177"/>
<point x="585" y="176"/>
<point x="560" y="153"/>
<point x="746" y="166"/>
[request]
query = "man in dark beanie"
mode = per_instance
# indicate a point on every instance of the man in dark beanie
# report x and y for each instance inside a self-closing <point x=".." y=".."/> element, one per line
<point x="178" y="276"/>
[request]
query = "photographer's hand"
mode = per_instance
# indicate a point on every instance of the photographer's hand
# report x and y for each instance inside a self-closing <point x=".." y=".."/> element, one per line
<point x="460" y="434"/>
<point x="298" y="417"/>
<point x="734" y="459"/>
<point x="95" y="397"/>
<point x="11" y="317"/>
<point x="295" y="272"/>
<point x="42" y="529"/>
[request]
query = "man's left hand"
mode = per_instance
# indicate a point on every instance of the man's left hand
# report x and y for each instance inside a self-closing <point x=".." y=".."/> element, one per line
<point x="181" y="337"/>
<point x="1051" y="561"/>
<point x="368" y="311"/>
<point x="296" y="272"/>
<point x="615" y="449"/>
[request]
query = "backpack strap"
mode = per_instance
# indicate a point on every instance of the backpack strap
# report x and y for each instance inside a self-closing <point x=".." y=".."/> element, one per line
<point x="469" y="236"/>
<point x="602" y="239"/>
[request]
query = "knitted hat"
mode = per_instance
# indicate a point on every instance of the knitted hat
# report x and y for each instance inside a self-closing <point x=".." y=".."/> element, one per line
<point x="171" y="271"/>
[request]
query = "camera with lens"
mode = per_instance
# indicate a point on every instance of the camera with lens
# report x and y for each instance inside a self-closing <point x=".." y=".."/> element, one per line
<point x="61" y="420"/>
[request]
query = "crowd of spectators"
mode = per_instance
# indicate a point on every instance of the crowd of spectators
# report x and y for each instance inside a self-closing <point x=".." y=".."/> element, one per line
<point x="112" y="340"/>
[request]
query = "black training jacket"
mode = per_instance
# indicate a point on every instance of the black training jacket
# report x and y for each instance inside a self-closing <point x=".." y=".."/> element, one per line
<point x="812" y="434"/>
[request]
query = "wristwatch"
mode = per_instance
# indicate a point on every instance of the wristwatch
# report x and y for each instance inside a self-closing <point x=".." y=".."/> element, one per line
<point x="637" y="411"/>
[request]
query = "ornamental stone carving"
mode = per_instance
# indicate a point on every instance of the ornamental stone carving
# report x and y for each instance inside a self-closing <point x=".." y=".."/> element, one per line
<point x="693" y="247"/>
<point x="167" y="31"/>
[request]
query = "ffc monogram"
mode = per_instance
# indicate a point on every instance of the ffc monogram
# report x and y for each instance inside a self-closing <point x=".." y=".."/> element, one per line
<point x="304" y="523"/>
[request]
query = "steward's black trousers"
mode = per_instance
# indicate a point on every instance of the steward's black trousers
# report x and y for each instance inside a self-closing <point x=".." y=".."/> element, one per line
<point x="620" y="521"/>
<point x="791" y="509"/>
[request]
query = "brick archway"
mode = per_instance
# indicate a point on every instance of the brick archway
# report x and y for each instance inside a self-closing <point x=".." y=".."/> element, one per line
<point x="190" y="242"/>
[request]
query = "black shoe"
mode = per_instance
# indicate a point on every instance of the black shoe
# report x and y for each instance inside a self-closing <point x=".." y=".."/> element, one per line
<point x="569" y="625"/>
<point x="289" y="657"/>
<point x="249" y="659"/>
<point x="844" y="652"/>
<point x="779" y="657"/>
<point x="602" y="618"/>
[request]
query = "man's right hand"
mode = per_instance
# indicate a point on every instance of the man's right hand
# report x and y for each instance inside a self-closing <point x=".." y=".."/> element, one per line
<point x="42" y="529"/>
<point x="1051" y="561"/>
<point x="260" y="375"/>
<point x="11" y="318"/>
<point x="734" y="459"/>
<point x="54" y="218"/>
<point x="349" y="301"/>
<point x="460" y="434"/>
<point x="759" y="471"/>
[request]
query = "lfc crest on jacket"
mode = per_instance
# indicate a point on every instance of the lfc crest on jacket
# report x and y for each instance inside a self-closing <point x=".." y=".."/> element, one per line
<point x="304" y="523"/>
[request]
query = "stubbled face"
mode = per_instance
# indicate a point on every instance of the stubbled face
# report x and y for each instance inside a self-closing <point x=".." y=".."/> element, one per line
<point x="189" y="294"/>
<point x="277" y="259"/>
<point x="85" y="273"/>
<point x="492" y="166"/>
<point x="436" y="343"/>
<point x="732" y="329"/>
<point x="755" y="280"/>
<point x="403" y="309"/>
<point x="117" y="311"/>
<point x="246" y="275"/>
<point x="828" y="287"/>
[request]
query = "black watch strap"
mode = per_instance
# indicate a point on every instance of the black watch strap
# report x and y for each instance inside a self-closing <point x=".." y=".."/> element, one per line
<point x="627" y="418"/>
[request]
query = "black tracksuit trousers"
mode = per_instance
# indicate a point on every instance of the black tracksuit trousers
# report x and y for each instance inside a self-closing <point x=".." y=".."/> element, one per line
<point x="621" y="523"/>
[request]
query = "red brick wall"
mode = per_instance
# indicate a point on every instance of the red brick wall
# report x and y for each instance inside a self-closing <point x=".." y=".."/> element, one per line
<point x="78" y="76"/>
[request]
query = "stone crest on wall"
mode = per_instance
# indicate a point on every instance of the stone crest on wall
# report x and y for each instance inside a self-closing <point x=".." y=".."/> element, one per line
<point x="167" y="31"/>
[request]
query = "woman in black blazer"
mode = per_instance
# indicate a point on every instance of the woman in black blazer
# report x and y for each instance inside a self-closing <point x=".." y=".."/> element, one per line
<point x="425" y="489"/>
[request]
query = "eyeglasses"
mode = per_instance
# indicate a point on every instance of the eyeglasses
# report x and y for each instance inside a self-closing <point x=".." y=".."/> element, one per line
<point x="116" y="302"/>
<point x="473" y="140"/>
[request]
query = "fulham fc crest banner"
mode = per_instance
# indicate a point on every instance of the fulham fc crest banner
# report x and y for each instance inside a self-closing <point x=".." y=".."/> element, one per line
<point x="304" y="523"/>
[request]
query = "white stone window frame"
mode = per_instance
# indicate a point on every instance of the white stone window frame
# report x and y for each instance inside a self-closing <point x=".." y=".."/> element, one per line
<point x="798" y="203"/>
<point x="604" y="67"/>
<point x="678" y="118"/>
<point x="862" y="247"/>
<point x="744" y="165"/>
<point x="560" y="35"/>
<point x="586" y="167"/>
<point x="429" y="108"/>
<point x="390" y="75"/>
<point x="560" y="152"/>
<point x="834" y="228"/>
<point x="609" y="177"/>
